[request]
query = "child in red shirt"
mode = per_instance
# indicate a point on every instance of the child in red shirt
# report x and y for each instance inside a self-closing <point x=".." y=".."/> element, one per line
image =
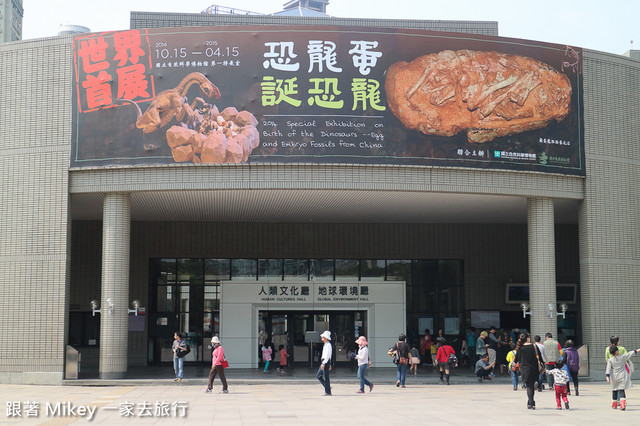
<point x="283" y="360"/>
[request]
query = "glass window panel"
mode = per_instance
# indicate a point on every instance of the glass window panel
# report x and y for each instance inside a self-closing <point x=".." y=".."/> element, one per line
<point x="184" y="323"/>
<point x="423" y="299"/>
<point x="372" y="269"/>
<point x="451" y="299"/>
<point x="184" y="298"/>
<point x="399" y="270"/>
<point x="347" y="269"/>
<point x="167" y="271"/>
<point x="244" y="269"/>
<point x="278" y="328"/>
<point x="450" y="273"/>
<point x="296" y="269"/>
<point x="270" y="269"/>
<point x="211" y="298"/>
<point x="190" y="271"/>
<point x="217" y="269"/>
<point x="322" y="269"/>
<point x="165" y="298"/>
<point x="211" y="324"/>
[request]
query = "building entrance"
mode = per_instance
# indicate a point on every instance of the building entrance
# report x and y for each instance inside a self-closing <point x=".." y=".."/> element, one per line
<point x="299" y="332"/>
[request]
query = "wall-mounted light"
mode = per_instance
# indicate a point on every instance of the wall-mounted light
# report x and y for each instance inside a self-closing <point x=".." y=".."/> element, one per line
<point x="94" y="307"/>
<point x="563" y="310"/>
<point x="525" y="309"/>
<point x="551" y="309"/>
<point x="136" y="306"/>
<point x="110" y="306"/>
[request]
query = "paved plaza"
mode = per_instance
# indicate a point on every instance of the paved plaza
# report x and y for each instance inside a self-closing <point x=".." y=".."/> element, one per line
<point x="297" y="400"/>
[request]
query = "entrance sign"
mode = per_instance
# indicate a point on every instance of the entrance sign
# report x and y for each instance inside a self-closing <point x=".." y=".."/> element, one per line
<point x="326" y="94"/>
<point x="241" y="302"/>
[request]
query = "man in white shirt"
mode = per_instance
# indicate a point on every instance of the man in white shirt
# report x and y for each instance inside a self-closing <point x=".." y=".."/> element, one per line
<point x="542" y="377"/>
<point x="325" y="363"/>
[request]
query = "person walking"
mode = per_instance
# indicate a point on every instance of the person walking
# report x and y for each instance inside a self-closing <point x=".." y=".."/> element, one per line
<point x="529" y="358"/>
<point x="560" y="384"/>
<point x="283" y="360"/>
<point x="471" y="344"/>
<point x="444" y="352"/>
<point x="514" y="368"/>
<point x="363" y="363"/>
<point x="572" y="360"/>
<point x="425" y="347"/>
<point x="404" y="353"/>
<point x="614" y="341"/>
<point x="267" y="353"/>
<point x="619" y="375"/>
<point x="325" y="363"/>
<point x="493" y="345"/>
<point x="415" y="360"/>
<point x="553" y="350"/>
<point x="178" y="347"/>
<point x="505" y="346"/>
<point x="543" y="355"/>
<point x="217" y="358"/>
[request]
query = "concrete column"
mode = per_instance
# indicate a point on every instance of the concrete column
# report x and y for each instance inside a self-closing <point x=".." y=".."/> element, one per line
<point x="542" y="265"/>
<point x="116" y="230"/>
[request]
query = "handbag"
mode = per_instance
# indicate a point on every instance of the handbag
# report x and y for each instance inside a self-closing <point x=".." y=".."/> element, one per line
<point x="453" y="360"/>
<point x="394" y="356"/>
<point x="225" y="363"/>
<point x="541" y="367"/>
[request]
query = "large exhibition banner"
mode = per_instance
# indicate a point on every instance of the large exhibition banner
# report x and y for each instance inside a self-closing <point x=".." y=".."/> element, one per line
<point x="310" y="94"/>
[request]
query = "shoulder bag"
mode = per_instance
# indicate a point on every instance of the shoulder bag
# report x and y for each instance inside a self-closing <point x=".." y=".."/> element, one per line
<point x="541" y="368"/>
<point x="402" y="360"/>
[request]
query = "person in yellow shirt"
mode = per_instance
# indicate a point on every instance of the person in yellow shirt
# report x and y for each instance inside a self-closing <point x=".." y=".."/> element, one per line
<point x="514" y="368"/>
<point x="433" y="350"/>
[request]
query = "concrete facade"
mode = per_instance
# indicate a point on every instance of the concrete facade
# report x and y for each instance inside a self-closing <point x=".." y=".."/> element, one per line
<point x="51" y="264"/>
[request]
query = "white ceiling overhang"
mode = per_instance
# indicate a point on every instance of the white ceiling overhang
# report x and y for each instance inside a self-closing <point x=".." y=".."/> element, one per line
<point x="321" y="206"/>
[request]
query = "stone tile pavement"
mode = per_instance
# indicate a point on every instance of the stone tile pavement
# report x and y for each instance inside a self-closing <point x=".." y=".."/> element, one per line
<point x="274" y="400"/>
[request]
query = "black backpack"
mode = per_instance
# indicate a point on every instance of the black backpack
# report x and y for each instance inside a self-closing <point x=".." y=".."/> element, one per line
<point x="182" y="354"/>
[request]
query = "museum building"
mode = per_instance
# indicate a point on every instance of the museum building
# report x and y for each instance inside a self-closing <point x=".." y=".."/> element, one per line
<point x="405" y="230"/>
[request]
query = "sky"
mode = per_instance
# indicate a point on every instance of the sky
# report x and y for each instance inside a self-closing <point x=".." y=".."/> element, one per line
<point x="597" y="25"/>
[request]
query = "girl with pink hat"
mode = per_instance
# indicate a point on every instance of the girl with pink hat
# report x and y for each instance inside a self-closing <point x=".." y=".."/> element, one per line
<point x="363" y="363"/>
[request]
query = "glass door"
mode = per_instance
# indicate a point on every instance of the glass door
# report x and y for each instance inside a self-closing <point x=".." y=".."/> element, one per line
<point x="184" y="297"/>
<point x="346" y="327"/>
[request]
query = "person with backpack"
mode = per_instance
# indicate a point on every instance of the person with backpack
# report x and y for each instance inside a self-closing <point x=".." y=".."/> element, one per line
<point x="514" y="367"/>
<point x="572" y="361"/>
<point x="179" y="349"/>
<point x="444" y="354"/>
